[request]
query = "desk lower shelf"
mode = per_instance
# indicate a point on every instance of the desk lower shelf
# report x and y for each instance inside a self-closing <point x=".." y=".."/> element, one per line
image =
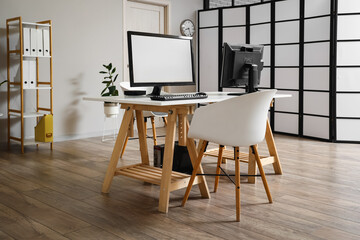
<point x="153" y="175"/>
<point x="244" y="157"/>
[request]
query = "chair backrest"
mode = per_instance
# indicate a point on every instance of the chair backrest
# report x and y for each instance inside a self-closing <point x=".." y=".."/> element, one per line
<point x="239" y="121"/>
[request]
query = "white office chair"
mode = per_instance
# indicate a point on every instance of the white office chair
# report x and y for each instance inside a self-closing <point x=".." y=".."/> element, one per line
<point x="147" y="114"/>
<point x="238" y="122"/>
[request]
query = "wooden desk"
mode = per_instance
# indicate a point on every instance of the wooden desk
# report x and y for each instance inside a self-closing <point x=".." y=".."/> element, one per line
<point x="167" y="179"/>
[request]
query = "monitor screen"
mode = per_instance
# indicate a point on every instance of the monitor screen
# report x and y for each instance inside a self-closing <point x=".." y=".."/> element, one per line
<point x="160" y="60"/>
<point x="241" y="66"/>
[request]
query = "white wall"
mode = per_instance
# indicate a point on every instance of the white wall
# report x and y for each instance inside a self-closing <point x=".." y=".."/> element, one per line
<point x="86" y="34"/>
<point x="180" y="10"/>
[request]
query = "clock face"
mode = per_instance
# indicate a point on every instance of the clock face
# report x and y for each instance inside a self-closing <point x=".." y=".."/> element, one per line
<point x="187" y="28"/>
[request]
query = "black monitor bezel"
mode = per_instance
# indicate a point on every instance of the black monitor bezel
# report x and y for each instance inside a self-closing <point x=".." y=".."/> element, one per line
<point x="225" y="58"/>
<point x="151" y="84"/>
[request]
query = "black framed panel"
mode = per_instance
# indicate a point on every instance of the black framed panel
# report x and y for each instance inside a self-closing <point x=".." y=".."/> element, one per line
<point x="311" y="53"/>
<point x="347" y="70"/>
<point x="208" y="53"/>
<point x="286" y="65"/>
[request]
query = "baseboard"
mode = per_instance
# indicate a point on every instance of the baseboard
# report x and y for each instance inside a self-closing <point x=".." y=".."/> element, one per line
<point x="80" y="136"/>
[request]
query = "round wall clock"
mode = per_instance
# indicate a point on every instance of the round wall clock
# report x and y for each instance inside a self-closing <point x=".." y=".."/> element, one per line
<point x="187" y="28"/>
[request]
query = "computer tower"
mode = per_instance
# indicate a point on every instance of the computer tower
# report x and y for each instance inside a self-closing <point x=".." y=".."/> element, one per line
<point x="181" y="160"/>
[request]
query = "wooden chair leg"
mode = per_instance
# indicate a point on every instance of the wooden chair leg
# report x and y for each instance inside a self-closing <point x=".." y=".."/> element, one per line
<point x="217" y="177"/>
<point x="130" y="133"/>
<point x="237" y="182"/>
<point x="262" y="173"/>
<point x="123" y="149"/>
<point x="252" y="166"/>
<point x="153" y="129"/>
<point x="224" y="159"/>
<point x="195" y="170"/>
<point x="165" y="121"/>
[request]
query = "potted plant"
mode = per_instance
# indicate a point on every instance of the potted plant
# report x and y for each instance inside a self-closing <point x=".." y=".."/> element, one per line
<point x="111" y="109"/>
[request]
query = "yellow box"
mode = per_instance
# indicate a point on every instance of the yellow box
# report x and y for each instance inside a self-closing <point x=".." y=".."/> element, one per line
<point x="44" y="129"/>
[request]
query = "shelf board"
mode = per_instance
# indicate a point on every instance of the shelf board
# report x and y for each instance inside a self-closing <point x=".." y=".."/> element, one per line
<point x="153" y="175"/>
<point x="30" y="24"/>
<point x="39" y="88"/>
<point x="17" y="53"/>
<point x="28" y="56"/>
<point x="28" y="114"/>
<point x="35" y="88"/>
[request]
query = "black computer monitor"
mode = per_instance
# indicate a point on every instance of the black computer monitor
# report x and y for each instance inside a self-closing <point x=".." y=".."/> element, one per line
<point x="241" y="66"/>
<point x="160" y="60"/>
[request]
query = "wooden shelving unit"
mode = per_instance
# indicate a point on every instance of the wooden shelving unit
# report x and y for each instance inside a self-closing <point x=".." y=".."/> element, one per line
<point x="46" y="85"/>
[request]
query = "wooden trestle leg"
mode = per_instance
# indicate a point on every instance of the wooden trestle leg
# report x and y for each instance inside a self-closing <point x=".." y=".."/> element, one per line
<point x="167" y="162"/>
<point x="197" y="166"/>
<point x="119" y="144"/>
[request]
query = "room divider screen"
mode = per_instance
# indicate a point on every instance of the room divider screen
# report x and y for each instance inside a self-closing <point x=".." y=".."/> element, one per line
<point x="309" y="51"/>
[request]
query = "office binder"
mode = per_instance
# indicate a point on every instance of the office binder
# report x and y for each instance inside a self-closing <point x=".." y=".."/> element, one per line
<point x="26" y="41"/>
<point x="32" y="73"/>
<point x="26" y="73"/>
<point x="40" y="42"/>
<point x="46" y="42"/>
<point x="33" y="41"/>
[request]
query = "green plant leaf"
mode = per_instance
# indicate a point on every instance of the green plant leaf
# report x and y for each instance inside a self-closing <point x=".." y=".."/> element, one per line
<point x="116" y="77"/>
<point x="107" y="82"/>
<point x="105" y="66"/>
<point x="106" y="94"/>
<point x="103" y="91"/>
<point x="113" y="70"/>
<point x="112" y="88"/>
<point x="115" y="93"/>
<point x="110" y="66"/>
<point x="103" y="72"/>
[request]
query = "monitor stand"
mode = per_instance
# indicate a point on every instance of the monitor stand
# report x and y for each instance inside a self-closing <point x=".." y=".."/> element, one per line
<point x="156" y="91"/>
<point x="253" y="74"/>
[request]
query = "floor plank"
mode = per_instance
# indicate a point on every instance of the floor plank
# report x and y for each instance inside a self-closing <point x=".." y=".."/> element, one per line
<point x="57" y="195"/>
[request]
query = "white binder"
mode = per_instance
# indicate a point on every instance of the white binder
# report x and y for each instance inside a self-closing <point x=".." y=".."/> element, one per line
<point x="26" y="41"/>
<point x="26" y="73"/>
<point x="32" y="73"/>
<point x="46" y="42"/>
<point x="40" y="46"/>
<point x="33" y="41"/>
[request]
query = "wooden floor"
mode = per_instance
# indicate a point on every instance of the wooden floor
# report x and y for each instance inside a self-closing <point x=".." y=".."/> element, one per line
<point x="56" y="195"/>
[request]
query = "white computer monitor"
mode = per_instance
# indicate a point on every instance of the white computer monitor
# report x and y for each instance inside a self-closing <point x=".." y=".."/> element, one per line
<point x="160" y="60"/>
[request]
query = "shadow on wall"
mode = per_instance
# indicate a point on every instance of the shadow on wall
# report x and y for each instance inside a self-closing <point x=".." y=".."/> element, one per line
<point x="72" y="115"/>
<point x="3" y="88"/>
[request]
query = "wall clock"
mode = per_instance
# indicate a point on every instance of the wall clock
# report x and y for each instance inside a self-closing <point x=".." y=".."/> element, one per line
<point x="187" y="28"/>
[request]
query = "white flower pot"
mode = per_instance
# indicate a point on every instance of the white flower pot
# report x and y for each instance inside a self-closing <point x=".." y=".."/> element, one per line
<point x="111" y="109"/>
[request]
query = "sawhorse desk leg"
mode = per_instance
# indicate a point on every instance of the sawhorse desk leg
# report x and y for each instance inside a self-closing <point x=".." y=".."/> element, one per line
<point x="119" y="144"/>
<point x="252" y="166"/>
<point x="167" y="163"/>
<point x="168" y="158"/>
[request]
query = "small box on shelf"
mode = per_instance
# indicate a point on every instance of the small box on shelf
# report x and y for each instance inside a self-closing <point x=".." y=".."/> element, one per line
<point x="44" y="129"/>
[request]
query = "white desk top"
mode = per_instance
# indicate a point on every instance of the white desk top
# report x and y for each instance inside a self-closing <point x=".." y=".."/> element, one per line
<point x="143" y="100"/>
